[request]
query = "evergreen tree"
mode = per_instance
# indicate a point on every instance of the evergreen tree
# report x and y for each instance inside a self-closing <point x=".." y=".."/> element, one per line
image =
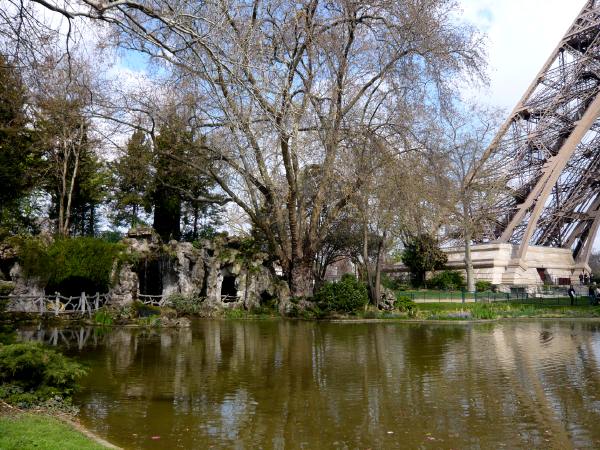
<point x="19" y="160"/>
<point x="132" y="180"/>
<point x="422" y="255"/>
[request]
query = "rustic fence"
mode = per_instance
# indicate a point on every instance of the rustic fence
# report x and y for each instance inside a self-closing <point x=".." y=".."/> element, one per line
<point x="58" y="304"/>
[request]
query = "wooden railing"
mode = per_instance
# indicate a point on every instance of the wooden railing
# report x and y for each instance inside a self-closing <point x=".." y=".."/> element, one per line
<point x="58" y="304"/>
<point x="154" y="300"/>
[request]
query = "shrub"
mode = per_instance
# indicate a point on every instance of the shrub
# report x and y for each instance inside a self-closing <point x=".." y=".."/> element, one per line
<point x="347" y="295"/>
<point x="103" y="317"/>
<point x="483" y="286"/>
<point x="447" y="280"/>
<point x="31" y="373"/>
<point x="186" y="305"/>
<point x="75" y="264"/>
<point x="404" y="304"/>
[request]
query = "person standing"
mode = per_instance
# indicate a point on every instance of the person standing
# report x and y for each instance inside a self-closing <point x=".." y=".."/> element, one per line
<point x="592" y="294"/>
<point x="571" y="293"/>
<point x="581" y="278"/>
<point x="586" y="279"/>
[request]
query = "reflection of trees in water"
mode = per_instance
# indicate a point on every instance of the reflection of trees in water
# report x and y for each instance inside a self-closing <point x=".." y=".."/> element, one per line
<point x="280" y="381"/>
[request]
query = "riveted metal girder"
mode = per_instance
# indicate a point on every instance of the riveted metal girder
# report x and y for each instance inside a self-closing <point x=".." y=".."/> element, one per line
<point x="549" y="149"/>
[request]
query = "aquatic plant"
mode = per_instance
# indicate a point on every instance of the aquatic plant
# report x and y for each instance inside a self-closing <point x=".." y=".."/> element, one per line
<point x="103" y="317"/>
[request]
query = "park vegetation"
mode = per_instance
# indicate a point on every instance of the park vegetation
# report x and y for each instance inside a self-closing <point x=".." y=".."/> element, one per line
<point x="321" y="131"/>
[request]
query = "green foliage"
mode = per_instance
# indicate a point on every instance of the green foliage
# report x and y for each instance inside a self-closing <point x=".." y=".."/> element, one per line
<point x="20" y="162"/>
<point x="149" y="321"/>
<point x="31" y="373"/>
<point x="394" y="284"/>
<point x="6" y="287"/>
<point x="447" y="280"/>
<point x="423" y="254"/>
<point x="185" y="305"/>
<point x="483" y="286"/>
<point x="484" y="311"/>
<point x="370" y="314"/>
<point x="142" y="310"/>
<point x="234" y="313"/>
<point x="76" y="264"/>
<point x="132" y="177"/>
<point x="347" y="295"/>
<point x="103" y="317"/>
<point x="404" y="304"/>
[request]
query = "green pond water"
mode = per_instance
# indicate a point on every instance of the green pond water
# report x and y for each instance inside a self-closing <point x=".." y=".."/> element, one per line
<point x="291" y="384"/>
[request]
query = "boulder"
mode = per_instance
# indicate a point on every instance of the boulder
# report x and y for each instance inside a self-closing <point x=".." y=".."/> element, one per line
<point x="387" y="299"/>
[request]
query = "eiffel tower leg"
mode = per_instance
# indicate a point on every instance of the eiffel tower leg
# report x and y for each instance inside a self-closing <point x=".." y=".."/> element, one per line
<point x="556" y="167"/>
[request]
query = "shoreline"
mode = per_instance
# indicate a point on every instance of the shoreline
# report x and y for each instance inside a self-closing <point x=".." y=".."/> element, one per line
<point x="14" y="414"/>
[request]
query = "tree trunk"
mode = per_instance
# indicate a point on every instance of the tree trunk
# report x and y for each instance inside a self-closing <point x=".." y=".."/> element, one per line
<point x="365" y="255"/>
<point x="134" y="213"/>
<point x="300" y="278"/>
<point x="195" y="230"/>
<point x="467" y="235"/>
<point x="469" y="266"/>
<point x="377" y="283"/>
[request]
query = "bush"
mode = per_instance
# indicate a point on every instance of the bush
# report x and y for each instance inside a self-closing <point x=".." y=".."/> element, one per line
<point x="483" y="286"/>
<point x="404" y="304"/>
<point x="347" y="295"/>
<point x="31" y="373"/>
<point x="103" y="317"/>
<point x="185" y="305"/>
<point x="70" y="266"/>
<point x="447" y="280"/>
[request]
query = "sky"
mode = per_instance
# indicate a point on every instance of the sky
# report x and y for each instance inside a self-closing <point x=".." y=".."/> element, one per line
<point x="521" y="34"/>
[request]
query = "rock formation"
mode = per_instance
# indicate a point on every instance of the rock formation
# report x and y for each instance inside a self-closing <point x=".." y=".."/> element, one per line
<point x="221" y="273"/>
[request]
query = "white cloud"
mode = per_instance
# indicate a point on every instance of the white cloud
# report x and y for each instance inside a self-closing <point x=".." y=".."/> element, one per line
<point x="521" y="34"/>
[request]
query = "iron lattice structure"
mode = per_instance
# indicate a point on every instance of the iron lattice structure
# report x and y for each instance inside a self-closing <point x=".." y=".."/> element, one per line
<point x="550" y="149"/>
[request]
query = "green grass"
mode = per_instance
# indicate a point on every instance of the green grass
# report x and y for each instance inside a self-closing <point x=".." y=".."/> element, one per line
<point x="30" y="431"/>
<point x="455" y="311"/>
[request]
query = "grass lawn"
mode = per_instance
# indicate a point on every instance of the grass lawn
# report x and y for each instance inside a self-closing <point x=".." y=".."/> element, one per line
<point x="503" y="310"/>
<point x="34" y="431"/>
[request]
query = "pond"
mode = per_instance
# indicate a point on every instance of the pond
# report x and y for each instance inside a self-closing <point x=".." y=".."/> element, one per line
<point x="293" y="384"/>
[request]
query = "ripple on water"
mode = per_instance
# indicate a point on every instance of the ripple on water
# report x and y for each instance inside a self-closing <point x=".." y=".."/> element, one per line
<point x="320" y="385"/>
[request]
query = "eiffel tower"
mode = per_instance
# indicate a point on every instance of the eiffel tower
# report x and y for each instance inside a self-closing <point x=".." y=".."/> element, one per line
<point x="550" y="151"/>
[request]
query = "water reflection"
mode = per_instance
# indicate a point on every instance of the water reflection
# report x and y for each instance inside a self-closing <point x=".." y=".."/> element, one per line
<point x="285" y="384"/>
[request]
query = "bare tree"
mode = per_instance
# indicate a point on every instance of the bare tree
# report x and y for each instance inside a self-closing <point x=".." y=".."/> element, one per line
<point x="287" y="87"/>
<point x="62" y="105"/>
<point x="472" y="187"/>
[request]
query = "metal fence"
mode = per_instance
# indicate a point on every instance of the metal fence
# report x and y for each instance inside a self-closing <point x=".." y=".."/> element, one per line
<point x="554" y="297"/>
